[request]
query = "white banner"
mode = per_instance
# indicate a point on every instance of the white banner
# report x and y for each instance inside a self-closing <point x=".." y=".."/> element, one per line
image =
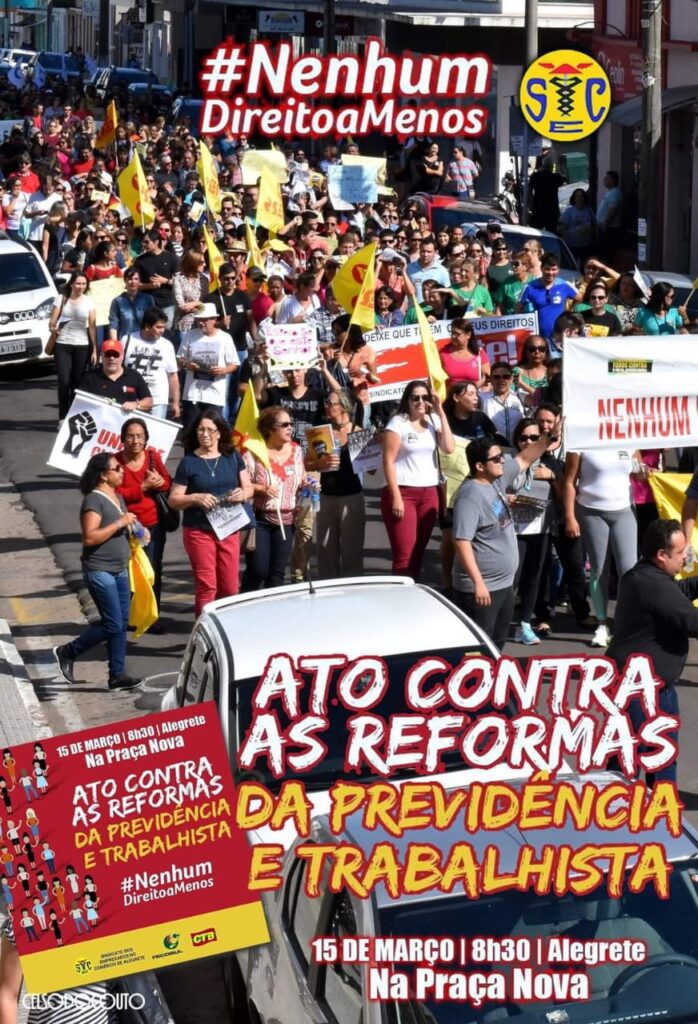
<point x="94" y="425"/>
<point x="637" y="392"/>
<point x="291" y="346"/>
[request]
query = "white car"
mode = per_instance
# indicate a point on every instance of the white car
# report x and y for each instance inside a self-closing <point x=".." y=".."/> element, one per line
<point x="27" y="296"/>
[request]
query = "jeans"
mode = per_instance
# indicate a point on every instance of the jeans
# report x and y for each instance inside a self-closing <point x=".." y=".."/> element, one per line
<point x="410" y="535"/>
<point x="267" y="563"/>
<point x="533" y="549"/>
<point x="71" y="362"/>
<point x="190" y="410"/>
<point x="112" y="597"/>
<point x="215" y="564"/>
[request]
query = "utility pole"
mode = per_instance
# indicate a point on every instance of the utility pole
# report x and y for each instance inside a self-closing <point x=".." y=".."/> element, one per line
<point x="531" y="27"/>
<point x="651" y="131"/>
<point x="329" y="34"/>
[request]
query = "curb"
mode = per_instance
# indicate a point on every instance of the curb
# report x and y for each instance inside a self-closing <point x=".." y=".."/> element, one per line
<point x="22" y="719"/>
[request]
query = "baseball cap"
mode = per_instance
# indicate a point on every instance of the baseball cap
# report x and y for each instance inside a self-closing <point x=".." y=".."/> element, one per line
<point x="494" y="225"/>
<point x="112" y="346"/>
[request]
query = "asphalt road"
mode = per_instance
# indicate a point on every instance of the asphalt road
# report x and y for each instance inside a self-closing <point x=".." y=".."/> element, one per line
<point x="28" y="414"/>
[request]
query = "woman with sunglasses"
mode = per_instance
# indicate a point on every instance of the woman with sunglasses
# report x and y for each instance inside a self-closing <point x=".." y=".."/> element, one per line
<point x="531" y="374"/>
<point x="600" y="321"/>
<point x="533" y="514"/>
<point x="276" y="488"/>
<point x="106" y="525"/>
<point x="470" y="295"/>
<point x="210" y="476"/>
<point x="499" y="270"/>
<point x="658" y="315"/>
<point x="410" y="500"/>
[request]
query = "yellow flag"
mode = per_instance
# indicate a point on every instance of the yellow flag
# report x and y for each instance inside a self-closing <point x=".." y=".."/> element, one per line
<point x="437" y="374"/>
<point x="669" y="491"/>
<point x="245" y="433"/>
<point x="255" y="259"/>
<point x="143" y="611"/>
<point x="206" y="167"/>
<point x="134" y="194"/>
<point x="270" y="207"/>
<point x="107" y="134"/>
<point x="364" y="312"/>
<point x="215" y="259"/>
<point x="346" y="283"/>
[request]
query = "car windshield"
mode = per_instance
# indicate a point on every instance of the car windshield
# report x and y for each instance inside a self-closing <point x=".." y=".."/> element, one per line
<point x="20" y="272"/>
<point x="322" y="775"/>
<point x="664" y="987"/>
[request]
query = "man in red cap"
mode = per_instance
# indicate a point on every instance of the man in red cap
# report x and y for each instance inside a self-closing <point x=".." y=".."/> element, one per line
<point x="112" y="380"/>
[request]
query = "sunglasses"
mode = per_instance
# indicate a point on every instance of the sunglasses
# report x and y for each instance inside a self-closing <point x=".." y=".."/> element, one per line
<point x="495" y="458"/>
<point x="600" y="296"/>
<point x="530" y="437"/>
<point x="419" y="398"/>
<point x="283" y="426"/>
<point x="501" y="376"/>
<point x="536" y="348"/>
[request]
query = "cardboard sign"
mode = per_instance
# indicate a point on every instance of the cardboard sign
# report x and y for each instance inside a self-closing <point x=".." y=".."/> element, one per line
<point x="291" y="346"/>
<point x="103" y="294"/>
<point x="138" y="862"/>
<point x="354" y="184"/>
<point x="94" y="425"/>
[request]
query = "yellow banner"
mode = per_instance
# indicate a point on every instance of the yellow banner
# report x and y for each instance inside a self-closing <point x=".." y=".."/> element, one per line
<point x="215" y="259"/>
<point x="270" y="206"/>
<point x="255" y="257"/>
<point x="206" y="167"/>
<point x="437" y="374"/>
<point x="107" y="134"/>
<point x="144" y="949"/>
<point x="364" y="312"/>
<point x="133" y="192"/>
<point x="346" y="283"/>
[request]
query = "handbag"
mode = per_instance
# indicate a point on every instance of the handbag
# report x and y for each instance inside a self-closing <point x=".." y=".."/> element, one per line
<point x="167" y="517"/>
<point x="50" y="346"/>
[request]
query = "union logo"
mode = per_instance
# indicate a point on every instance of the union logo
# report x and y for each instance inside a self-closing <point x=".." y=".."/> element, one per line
<point x="565" y="95"/>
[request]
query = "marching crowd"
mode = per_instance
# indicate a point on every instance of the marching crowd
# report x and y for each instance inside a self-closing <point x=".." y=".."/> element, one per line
<point x="186" y="338"/>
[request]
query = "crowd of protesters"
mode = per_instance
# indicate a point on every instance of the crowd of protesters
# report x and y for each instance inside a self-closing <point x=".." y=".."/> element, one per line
<point x="60" y="192"/>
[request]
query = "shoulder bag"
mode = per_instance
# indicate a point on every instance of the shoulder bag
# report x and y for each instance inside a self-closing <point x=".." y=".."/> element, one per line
<point x="55" y="331"/>
<point x="167" y="517"/>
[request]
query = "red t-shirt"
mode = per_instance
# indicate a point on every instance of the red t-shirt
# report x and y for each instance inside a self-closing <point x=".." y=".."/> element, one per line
<point x="137" y="501"/>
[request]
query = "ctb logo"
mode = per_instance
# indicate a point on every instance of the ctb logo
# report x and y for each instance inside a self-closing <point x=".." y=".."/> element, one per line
<point x="204" y="937"/>
<point x="565" y="95"/>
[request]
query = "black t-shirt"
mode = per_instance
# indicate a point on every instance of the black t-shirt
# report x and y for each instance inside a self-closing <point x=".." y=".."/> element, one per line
<point x="163" y="264"/>
<point x="473" y="426"/>
<point x="306" y="411"/>
<point x="607" y="323"/>
<point x="237" y="306"/>
<point x="129" y="387"/>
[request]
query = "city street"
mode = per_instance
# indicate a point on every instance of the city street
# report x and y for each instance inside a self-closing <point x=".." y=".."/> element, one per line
<point x="42" y="578"/>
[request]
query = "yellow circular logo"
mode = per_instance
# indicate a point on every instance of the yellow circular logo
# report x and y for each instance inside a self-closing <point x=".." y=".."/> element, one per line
<point x="565" y="95"/>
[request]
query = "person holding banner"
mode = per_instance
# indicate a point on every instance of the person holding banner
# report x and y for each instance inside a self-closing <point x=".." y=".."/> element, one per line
<point x="658" y="316"/>
<point x="276" y="492"/>
<point x="597" y="507"/>
<point x="212" y="475"/>
<point x="74" y="330"/>
<point x="410" y="501"/>
<point x="341" y="518"/>
<point x="106" y="524"/>
<point x="464" y="358"/>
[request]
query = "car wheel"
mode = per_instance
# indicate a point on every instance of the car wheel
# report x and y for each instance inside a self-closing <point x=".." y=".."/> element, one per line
<point x="235" y="992"/>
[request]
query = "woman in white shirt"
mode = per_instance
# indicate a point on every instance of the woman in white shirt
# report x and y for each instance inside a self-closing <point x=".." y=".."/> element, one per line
<point x="410" y="501"/>
<point x="73" y="320"/>
<point x="597" y="503"/>
<point x="14" y="202"/>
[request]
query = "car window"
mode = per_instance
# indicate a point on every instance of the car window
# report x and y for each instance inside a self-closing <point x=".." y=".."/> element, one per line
<point x="301" y="914"/>
<point x="20" y="272"/>
<point x="51" y="60"/>
<point x="341" y="987"/>
<point x="199" y="672"/>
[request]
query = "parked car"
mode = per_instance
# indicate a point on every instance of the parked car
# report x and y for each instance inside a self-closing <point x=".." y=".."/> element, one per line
<point x="55" y="66"/>
<point x="183" y="110"/>
<point x="448" y="211"/>
<point x="517" y="234"/>
<point x="153" y="96"/>
<point x="234" y="637"/>
<point x="682" y="285"/>
<point x="27" y="296"/>
<point x="110" y="80"/>
<point x="663" y="987"/>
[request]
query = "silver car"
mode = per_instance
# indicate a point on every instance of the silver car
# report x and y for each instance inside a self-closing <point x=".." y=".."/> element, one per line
<point x="282" y="985"/>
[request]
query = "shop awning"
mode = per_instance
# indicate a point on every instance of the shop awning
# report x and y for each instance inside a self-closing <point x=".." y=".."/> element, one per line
<point x="629" y="113"/>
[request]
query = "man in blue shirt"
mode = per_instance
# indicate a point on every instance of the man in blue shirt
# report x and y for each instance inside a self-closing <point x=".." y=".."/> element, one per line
<point x="126" y="310"/>
<point x="548" y="296"/>
<point x="427" y="267"/>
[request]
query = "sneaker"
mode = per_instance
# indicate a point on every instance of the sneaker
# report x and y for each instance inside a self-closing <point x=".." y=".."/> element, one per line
<point x="602" y="637"/>
<point x="65" y="664"/>
<point x="525" y="635"/>
<point x="123" y="683"/>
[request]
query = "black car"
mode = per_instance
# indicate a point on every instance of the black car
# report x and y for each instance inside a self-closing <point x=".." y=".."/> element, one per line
<point x="112" y="80"/>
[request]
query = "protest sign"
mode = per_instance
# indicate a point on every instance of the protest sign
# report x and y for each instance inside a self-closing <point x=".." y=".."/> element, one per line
<point x="375" y="164"/>
<point x="400" y="358"/>
<point x="227" y="519"/>
<point x="354" y="184"/>
<point x="365" y="451"/>
<point x="94" y="425"/>
<point x="255" y="159"/>
<point x="320" y="440"/>
<point x="291" y="346"/>
<point x="136" y="848"/>
<point x="102" y="293"/>
<point x="504" y="337"/>
<point x="334" y="188"/>
<point x="627" y="393"/>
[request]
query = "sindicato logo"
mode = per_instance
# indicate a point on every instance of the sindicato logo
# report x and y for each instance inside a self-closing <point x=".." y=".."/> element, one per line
<point x="565" y="95"/>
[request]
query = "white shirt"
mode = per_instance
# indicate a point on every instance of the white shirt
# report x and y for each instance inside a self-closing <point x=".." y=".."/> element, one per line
<point x="291" y="307"/>
<point x="416" y="463"/>
<point x="73" y="320"/>
<point x="154" y="360"/>
<point x="504" y="413"/>
<point x="217" y="349"/>
<point x="604" y="479"/>
<point x="39" y="203"/>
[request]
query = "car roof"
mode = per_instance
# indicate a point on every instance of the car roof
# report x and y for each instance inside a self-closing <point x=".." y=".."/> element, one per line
<point x="8" y="246"/>
<point x="367" y="616"/>
<point x="508" y="841"/>
<point x="675" y="280"/>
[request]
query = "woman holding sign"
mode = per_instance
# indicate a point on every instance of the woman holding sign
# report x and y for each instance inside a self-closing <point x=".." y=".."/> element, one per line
<point x="211" y="478"/>
<point x="341" y="518"/>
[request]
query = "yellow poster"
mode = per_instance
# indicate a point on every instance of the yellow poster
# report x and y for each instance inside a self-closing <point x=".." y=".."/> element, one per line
<point x="256" y="159"/>
<point x="102" y="293"/>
